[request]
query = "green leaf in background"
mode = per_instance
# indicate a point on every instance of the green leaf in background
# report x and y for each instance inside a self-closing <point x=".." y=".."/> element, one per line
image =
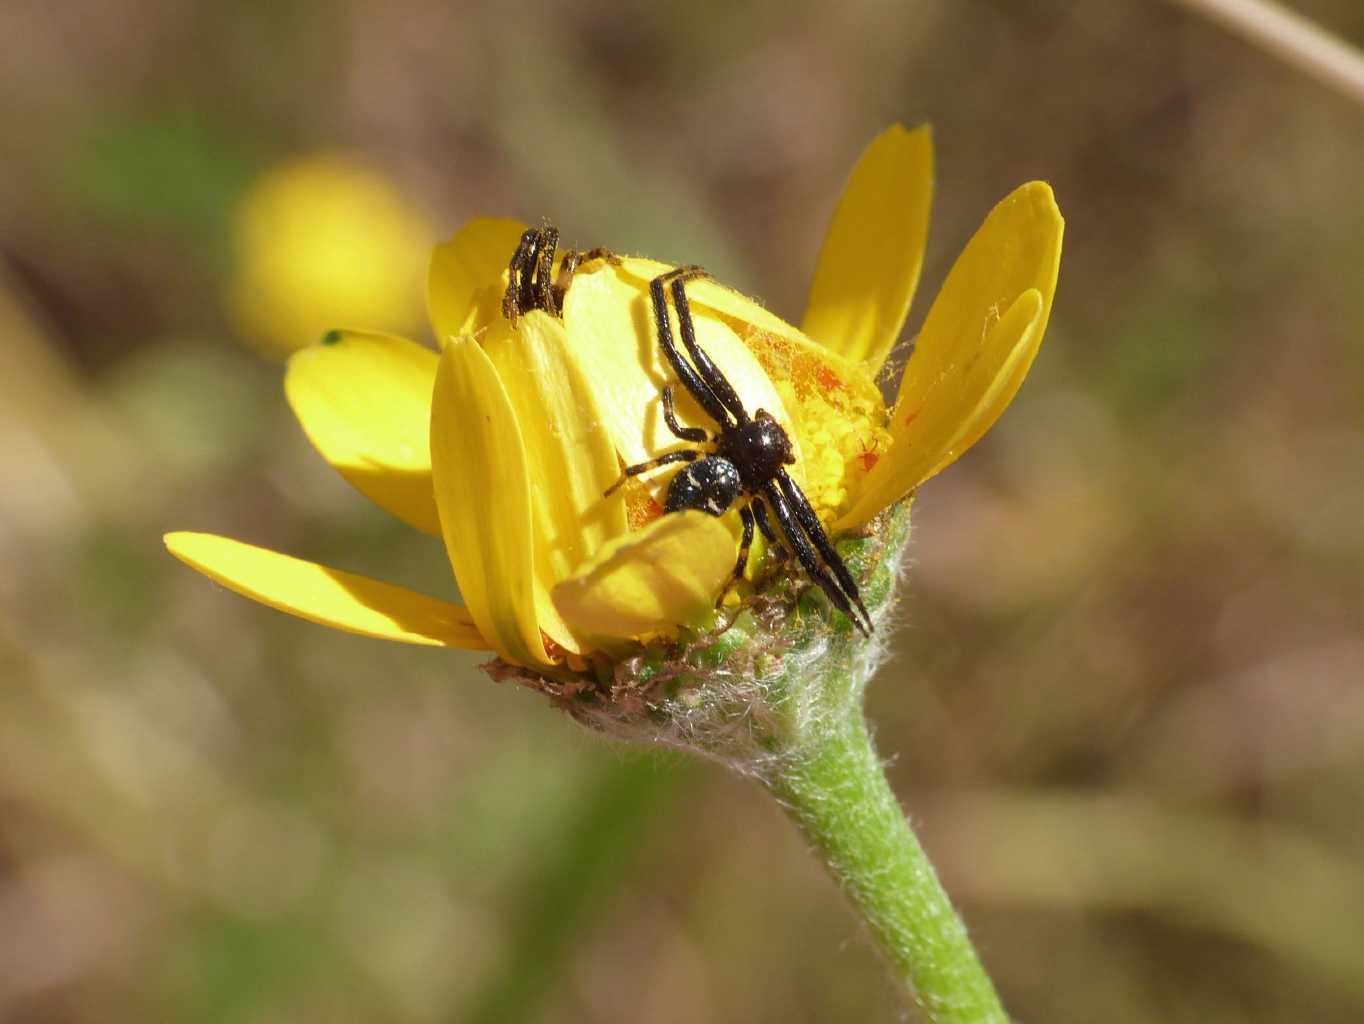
<point x="174" y="169"/>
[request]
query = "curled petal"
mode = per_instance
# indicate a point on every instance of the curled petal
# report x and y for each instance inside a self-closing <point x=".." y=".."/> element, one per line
<point x="364" y="401"/>
<point x="466" y="277"/>
<point x="975" y="348"/>
<point x="342" y="600"/>
<point x="478" y="467"/>
<point x="664" y="575"/>
<point x="570" y="458"/>
<point x="873" y="252"/>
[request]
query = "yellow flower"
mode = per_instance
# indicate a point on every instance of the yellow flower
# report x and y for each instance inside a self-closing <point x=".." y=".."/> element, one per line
<point x="320" y="240"/>
<point x="504" y="442"/>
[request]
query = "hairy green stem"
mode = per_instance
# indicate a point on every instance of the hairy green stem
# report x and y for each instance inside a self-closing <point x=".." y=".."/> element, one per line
<point x="778" y="695"/>
<point x="837" y="795"/>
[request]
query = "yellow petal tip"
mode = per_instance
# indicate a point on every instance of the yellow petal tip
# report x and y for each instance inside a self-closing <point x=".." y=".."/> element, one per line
<point x="329" y="597"/>
<point x="1040" y="195"/>
<point x="873" y="250"/>
<point x="364" y="400"/>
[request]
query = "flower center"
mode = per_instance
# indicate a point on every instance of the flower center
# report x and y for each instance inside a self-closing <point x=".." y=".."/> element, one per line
<point x="838" y="415"/>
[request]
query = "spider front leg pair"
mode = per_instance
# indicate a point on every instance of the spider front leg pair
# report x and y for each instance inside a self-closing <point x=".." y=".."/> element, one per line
<point x="531" y="280"/>
<point x="748" y="459"/>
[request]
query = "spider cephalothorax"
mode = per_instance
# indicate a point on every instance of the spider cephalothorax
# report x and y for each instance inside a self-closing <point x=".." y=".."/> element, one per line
<point x="747" y="458"/>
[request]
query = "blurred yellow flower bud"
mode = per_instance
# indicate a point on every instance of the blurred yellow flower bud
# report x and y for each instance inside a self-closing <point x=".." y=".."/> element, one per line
<point x="321" y="240"/>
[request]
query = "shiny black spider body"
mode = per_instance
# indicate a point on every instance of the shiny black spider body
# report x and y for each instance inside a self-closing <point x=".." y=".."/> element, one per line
<point x="711" y="485"/>
<point x="747" y="458"/>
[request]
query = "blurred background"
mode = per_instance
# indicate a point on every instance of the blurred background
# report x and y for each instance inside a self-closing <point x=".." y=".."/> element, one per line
<point x="1127" y="706"/>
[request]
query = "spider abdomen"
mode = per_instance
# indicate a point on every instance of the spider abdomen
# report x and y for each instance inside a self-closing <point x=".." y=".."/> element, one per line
<point x="709" y="485"/>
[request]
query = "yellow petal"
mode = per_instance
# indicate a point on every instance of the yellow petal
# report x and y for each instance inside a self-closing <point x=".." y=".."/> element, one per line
<point x="364" y="401"/>
<point x="466" y="278"/>
<point x="664" y="575"/>
<point x="1012" y="346"/>
<point x="709" y="294"/>
<point x="760" y="330"/>
<point x="1000" y="368"/>
<point x="478" y="467"/>
<point x="342" y="600"/>
<point x="570" y="458"/>
<point x="873" y="252"/>
<point x="975" y="348"/>
<point x="610" y="326"/>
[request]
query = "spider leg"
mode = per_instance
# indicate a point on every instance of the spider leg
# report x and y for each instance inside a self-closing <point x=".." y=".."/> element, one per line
<point x="746" y="517"/>
<point x="517" y="297"/>
<point x="805" y="552"/>
<point x="573" y="259"/>
<point x="695" y="434"/>
<point x="667" y="459"/>
<point x="691" y="380"/>
<point x="710" y="373"/>
<point x="810" y="523"/>
<point x="544" y="271"/>
<point x="774" y="543"/>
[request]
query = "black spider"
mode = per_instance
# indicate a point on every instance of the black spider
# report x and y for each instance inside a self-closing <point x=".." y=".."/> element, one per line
<point x="532" y="283"/>
<point x="750" y="453"/>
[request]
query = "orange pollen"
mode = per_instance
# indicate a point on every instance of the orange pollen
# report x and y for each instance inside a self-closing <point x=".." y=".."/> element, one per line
<point x="912" y="417"/>
<point x="828" y="380"/>
<point x="641" y="508"/>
